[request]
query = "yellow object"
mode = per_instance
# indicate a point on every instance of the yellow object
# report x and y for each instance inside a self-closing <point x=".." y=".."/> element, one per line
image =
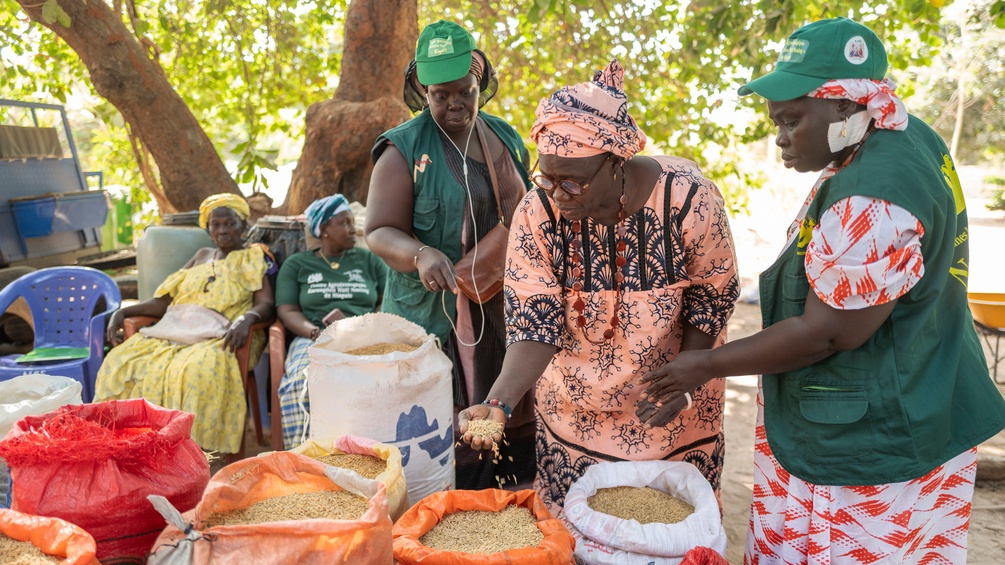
<point x="988" y="308"/>
<point x="202" y="379"/>
<point x="393" y="478"/>
<point x="224" y="200"/>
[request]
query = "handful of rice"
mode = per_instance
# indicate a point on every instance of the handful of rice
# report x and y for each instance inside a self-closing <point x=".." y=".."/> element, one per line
<point x="480" y="532"/>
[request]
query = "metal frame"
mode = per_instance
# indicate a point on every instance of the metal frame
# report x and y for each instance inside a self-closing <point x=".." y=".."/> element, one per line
<point x="997" y="356"/>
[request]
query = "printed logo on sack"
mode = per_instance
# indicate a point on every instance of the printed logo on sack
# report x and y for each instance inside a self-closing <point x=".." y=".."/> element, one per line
<point x="856" y="50"/>
<point x="414" y="425"/>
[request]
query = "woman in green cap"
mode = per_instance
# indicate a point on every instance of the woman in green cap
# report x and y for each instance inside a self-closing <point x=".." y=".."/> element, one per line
<point x="432" y="197"/>
<point x="874" y="390"/>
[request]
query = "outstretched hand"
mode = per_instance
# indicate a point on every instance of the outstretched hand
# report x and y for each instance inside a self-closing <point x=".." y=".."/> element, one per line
<point x="480" y="412"/>
<point x="663" y="398"/>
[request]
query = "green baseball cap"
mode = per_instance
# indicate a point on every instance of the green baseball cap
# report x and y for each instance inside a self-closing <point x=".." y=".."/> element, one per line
<point x="443" y="53"/>
<point x="818" y="52"/>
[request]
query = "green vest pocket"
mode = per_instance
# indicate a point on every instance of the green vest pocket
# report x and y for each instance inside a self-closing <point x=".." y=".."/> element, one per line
<point x="424" y="216"/>
<point x="832" y="417"/>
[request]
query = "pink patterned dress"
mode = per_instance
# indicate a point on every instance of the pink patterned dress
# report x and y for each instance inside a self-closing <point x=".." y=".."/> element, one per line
<point x="680" y="268"/>
<point x="864" y="252"/>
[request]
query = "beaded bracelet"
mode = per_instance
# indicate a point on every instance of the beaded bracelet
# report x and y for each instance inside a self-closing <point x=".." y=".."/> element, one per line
<point x="500" y="404"/>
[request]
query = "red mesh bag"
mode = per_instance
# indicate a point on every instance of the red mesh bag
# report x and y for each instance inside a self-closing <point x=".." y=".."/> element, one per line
<point x="93" y="465"/>
<point x="703" y="556"/>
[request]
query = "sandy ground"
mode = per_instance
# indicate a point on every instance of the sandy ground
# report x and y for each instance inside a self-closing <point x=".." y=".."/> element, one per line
<point x="758" y="238"/>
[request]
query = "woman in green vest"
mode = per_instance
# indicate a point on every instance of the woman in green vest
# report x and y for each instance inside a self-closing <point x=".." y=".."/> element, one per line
<point x="431" y="199"/>
<point x="874" y="389"/>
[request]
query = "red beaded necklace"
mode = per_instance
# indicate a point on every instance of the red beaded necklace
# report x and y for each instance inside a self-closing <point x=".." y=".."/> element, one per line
<point x="617" y="268"/>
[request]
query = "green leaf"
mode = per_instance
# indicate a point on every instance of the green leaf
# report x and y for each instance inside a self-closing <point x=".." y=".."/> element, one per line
<point x="63" y="17"/>
<point x="50" y="11"/>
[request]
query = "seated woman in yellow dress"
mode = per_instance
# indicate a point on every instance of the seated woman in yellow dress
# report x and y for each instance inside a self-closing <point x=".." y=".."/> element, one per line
<point x="186" y="361"/>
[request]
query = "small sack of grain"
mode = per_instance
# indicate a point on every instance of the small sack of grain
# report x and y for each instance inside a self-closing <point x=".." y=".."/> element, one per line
<point x="30" y="540"/>
<point x="284" y="507"/>
<point x="460" y="527"/>
<point x="643" y="512"/>
<point x="371" y="459"/>
<point x="401" y="398"/>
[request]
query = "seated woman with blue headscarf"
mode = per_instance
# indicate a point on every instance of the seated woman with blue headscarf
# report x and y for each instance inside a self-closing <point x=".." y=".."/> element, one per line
<point x="310" y="287"/>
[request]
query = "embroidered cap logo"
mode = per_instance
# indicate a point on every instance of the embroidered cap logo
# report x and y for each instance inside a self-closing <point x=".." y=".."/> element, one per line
<point x="794" y="51"/>
<point x="440" y="46"/>
<point x="856" y="51"/>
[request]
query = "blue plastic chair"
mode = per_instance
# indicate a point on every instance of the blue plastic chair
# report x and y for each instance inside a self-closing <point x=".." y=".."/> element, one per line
<point x="62" y="302"/>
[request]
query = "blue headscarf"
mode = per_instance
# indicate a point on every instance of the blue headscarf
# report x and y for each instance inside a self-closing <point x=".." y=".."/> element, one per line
<point x="322" y="210"/>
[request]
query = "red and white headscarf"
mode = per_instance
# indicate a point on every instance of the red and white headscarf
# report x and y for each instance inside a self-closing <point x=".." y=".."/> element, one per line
<point x="588" y="119"/>
<point x="878" y="97"/>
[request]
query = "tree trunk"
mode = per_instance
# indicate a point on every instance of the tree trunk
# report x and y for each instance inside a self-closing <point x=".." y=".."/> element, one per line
<point x="189" y="167"/>
<point x="380" y="38"/>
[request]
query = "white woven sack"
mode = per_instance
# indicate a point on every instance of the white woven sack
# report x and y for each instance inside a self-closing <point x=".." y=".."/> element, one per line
<point x="402" y="399"/>
<point x="607" y="540"/>
<point x="32" y="394"/>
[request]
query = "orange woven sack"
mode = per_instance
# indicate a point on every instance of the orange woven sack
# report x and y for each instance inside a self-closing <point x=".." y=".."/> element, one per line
<point x="555" y="549"/>
<point x="321" y="541"/>
<point x="51" y="535"/>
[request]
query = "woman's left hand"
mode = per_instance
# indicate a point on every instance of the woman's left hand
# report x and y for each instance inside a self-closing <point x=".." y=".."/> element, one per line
<point x="663" y="398"/>
<point x="237" y="334"/>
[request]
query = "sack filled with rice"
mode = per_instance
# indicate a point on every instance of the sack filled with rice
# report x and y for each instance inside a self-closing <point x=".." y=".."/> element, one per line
<point x="484" y="527"/>
<point x="371" y="459"/>
<point x="282" y="507"/>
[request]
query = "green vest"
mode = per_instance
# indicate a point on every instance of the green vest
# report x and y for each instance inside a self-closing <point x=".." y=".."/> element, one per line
<point x="917" y="393"/>
<point x="438" y="212"/>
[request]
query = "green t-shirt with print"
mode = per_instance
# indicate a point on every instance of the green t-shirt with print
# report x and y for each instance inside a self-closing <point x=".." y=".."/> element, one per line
<point x="308" y="281"/>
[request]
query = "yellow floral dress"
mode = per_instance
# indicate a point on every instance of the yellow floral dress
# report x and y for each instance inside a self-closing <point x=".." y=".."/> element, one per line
<point x="203" y="378"/>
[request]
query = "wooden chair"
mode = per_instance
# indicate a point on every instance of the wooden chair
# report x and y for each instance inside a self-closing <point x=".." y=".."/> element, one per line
<point x="133" y="324"/>
<point x="277" y="364"/>
<point x="988" y="309"/>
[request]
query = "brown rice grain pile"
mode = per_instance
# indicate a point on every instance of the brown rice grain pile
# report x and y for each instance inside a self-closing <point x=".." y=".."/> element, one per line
<point x="13" y="552"/>
<point x="328" y="504"/>
<point x="644" y="504"/>
<point x="484" y="533"/>
<point x="367" y="466"/>
<point x="382" y="349"/>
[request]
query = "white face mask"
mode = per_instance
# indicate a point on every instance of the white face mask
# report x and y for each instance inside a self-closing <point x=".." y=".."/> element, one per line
<point x="854" y="131"/>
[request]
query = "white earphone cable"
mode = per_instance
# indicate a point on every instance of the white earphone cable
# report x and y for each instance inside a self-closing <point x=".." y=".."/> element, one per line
<point x="474" y="229"/>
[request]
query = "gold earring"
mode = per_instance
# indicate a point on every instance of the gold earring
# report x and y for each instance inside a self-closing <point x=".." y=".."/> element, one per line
<point x="844" y="127"/>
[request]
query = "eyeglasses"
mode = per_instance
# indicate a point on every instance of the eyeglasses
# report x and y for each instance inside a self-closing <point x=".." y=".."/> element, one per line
<point x="571" y="188"/>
